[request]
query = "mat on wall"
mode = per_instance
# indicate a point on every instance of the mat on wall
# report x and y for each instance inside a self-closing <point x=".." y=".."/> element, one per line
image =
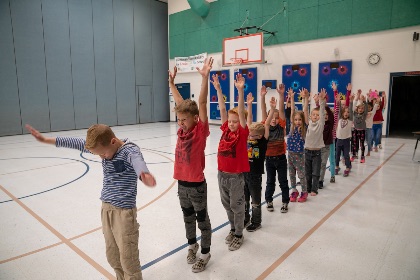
<point x="297" y="76"/>
<point x="251" y="79"/>
<point x="334" y="71"/>
<point x="224" y="80"/>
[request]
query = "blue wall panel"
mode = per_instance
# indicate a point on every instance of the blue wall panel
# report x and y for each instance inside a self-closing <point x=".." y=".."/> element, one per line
<point x="10" y="122"/>
<point x="30" y="63"/>
<point x="58" y="62"/>
<point x="143" y="42"/>
<point x="104" y="61"/>
<point x="81" y="39"/>
<point x="124" y="62"/>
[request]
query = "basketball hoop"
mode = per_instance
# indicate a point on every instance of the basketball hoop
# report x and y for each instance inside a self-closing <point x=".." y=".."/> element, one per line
<point x="236" y="61"/>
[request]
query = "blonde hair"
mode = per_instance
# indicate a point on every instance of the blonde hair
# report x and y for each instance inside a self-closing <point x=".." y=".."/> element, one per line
<point x="235" y="112"/>
<point x="187" y="106"/>
<point x="98" y="134"/>
<point x="302" y="128"/>
<point x="259" y="128"/>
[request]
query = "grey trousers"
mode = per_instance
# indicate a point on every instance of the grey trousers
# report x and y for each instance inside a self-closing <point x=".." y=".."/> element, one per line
<point x="231" y="187"/>
<point x="193" y="202"/>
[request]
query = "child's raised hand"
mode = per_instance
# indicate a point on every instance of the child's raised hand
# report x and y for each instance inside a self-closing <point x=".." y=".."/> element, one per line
<point x="323" y="94"/>
<point x="205" y="71"/>
<point x="316" y="98"/>
<point x="349" y="87"/>
<point x="359" y="92"/>
<point x="291" y="93"/>
<point x="35" y="133"/>
<point x="249" y="99"/>
<point x="352" y="96"/>
<point x="148" y="179"/>
<point x="263" y="91"/>
<point x="281" y="89"/>
<point x="363" y="98"/>
<point x="215" y="81"/>
<point x="334" y="86"/>
<point x="240" y="81"/>
<point x="273" y="103"/>
<point x="172" y="76"/>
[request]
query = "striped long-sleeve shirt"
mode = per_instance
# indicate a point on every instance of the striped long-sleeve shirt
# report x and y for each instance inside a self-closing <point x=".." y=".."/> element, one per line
<point x="120" y="173"/>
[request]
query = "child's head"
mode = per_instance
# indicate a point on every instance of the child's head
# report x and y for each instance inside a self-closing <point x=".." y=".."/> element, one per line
<point x="370" y="106"/>
<point x="276" y="117"/>
<point x="360" y="108"/>
<point x="298" y="118"/>
<point x="315" y="114"/>
<point x="256" y="131"/>
<point x="233" y="119"/>
<point x="187" y="114"/>
<point x="101" y="141"/>
<point x="345" y="113"/>
<point x="343" y="103"/>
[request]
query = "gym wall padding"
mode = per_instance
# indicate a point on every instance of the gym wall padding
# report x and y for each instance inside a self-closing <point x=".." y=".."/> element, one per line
<point x="68" y="64"/>
<point x="304" y="20"/>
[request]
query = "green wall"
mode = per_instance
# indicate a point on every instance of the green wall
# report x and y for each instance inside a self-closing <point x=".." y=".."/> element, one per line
<point x="304" y="20"/>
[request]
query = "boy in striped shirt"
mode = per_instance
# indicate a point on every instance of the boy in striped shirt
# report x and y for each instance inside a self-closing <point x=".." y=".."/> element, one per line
<point x="123" y="165"/>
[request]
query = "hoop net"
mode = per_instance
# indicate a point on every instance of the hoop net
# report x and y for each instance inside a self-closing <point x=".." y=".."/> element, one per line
<point x="236" y="61"/>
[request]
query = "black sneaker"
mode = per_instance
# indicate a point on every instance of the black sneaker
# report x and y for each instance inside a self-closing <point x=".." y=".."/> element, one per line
<point x="332" y="180"/>
<point x="246" y="223"/>
<point x="253" y="227"/>
<point x="284" y="208"/>
<point x="321" y="185"/>
<point x="270" y="206"/>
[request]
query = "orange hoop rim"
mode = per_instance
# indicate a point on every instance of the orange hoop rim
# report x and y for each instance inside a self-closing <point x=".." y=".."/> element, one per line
<point x="236" y="61"/>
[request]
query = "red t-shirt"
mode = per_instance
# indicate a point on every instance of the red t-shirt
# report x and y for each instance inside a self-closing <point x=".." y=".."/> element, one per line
<point x="232" y="155"/>
<point x="189" y="153"/>
<point x="378" y="115"/>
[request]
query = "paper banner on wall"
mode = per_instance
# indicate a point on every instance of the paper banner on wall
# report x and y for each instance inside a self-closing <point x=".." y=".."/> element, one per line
<point x="189" y="63"/>
<point x="296" y="76"/>
<point x="224" y="80"/>
<point x="215" y="111"/>
<point x="334" y="71"/>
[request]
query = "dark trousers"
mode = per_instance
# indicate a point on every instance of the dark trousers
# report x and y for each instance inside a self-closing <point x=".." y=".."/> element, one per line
<point x="273" y="165"/>
<point x="312" y="169"/>
<point x="253" y="190"/>
<point x="343" y="145"/>
<point x="358" y="137"/>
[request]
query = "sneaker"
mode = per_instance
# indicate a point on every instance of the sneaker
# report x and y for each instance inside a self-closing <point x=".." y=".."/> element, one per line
<point x="303" y="197"/>
<point x="362" y="160"/>
<point x="321" y="185"/>
<point x="294" y="196"/>
<point x="236" y="243"/>
<point x="253" y="227"/>
<point x="200" y="265"/>
<point x="284" y="208"/>
<point x="332" y="180"/>
<point x="337" y="170"/>
<point x="192" y="254"/>
<point x="380" y="146"/>
<point x="230" y="237"/>
<point x="246" y="223"/>
<point x="270" y="206"/>
<point x="353" y="158"/>
<point x="346" y="173"/>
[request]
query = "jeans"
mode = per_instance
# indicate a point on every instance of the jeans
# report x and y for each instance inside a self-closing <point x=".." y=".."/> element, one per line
<point x="328" y="152"/>
<point x="358" y="137"/>
<point x="273" y="165"/>
<point x="369" y="136"/>
<point x="253" y="190"/>
<point x="343" y="145"/>
<point x="312" y="169"/>
<point x="377" y="133"/>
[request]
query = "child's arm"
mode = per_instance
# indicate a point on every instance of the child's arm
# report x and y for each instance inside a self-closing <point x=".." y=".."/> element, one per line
<point x="249" y="100"/>
<point x="349" y="87"/>
<point x="322" y="97"/>
<point x="202" y="99"/>
<point x="366" y="107"/>
<point x="291" y="97"/>
<point x="383" y="100"/>
<point x="351" y="108"/>
<point x="175" y="93"/>
<point x="38" y="136"/>
<point x="280" y="91"/>
<point x="263" y="105"/>
<point x="305" y="105"/>
<point x="273" y="103"/>
<point x="240" y="84"/>
<point x="220" y="99"/>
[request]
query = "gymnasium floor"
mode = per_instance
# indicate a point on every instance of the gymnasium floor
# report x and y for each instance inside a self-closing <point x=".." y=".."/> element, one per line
<point x="365" y="226"/>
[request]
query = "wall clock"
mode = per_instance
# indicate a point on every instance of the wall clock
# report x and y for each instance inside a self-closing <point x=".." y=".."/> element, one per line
<point x="373" y="58"/>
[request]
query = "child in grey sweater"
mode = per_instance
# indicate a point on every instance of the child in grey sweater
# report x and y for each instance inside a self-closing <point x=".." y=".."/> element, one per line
<point x="313" y="143"/>
<point x="360" y="111"/>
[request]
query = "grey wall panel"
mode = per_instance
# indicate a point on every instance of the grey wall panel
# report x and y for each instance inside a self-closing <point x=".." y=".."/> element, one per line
<point x="10" y="122"/>
<point x="30" y="62"/>
<point x="124" y="62"/>
<point x="104" y="61"/>
<point x="143" y="41"/>
<point x="160" y="60"/>
<point x="57" y="53"/>
<point x="83" y="73"/>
